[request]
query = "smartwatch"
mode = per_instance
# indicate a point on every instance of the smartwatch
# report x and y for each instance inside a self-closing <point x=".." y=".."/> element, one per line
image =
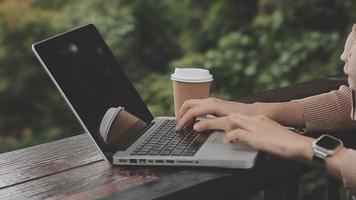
<point x="323" y="147"/>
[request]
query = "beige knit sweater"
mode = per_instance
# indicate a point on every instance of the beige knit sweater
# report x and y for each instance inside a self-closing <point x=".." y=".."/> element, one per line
<point x="332" y="112"/>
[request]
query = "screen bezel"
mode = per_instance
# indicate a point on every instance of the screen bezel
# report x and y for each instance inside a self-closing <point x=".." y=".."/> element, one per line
<point x="329" y="143"/>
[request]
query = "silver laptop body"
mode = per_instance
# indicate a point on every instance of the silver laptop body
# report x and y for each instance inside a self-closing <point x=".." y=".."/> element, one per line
<point x="87" y="75"/>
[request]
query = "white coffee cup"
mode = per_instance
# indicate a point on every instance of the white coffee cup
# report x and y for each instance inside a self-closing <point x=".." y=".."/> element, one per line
<point x="190" y="83"/>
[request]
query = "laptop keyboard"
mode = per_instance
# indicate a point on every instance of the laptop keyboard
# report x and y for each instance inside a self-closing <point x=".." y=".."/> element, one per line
<point x="165" y="141"/>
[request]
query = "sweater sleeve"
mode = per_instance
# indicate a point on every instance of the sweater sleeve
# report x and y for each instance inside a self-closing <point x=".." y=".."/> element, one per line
<point x="332" y="112"/>
<point x="348" y="171"/>
<point x="329" y="111"/>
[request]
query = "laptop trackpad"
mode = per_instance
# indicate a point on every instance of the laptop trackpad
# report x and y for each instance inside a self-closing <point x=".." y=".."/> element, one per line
<point x="237" y="145"/>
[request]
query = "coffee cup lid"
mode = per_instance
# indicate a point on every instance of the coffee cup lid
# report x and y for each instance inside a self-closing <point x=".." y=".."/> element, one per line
<point x="108" y="120"/>
<point x="191" y="75"/>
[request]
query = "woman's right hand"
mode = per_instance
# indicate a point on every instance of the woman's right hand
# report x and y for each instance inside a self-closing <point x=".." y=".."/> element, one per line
<point x="211" y="106"/>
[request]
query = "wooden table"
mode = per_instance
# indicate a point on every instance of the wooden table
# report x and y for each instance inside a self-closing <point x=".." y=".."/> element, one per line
<point x="72" y="168"/>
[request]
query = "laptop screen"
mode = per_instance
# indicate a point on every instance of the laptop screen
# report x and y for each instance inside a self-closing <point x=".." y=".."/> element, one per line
<point x="85" y="70"/>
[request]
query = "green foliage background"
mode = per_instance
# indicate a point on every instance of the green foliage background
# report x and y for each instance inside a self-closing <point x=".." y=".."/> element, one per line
<point x="249" y="46"/>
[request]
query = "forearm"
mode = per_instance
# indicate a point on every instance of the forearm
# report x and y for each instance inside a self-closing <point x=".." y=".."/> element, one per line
<point x="290" y="114"/>
<point x="285" y="113"/>
<point x="328" y="112"/>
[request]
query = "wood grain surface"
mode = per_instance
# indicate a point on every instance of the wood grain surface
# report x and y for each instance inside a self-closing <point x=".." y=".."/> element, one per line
<point x="68" y="168"/>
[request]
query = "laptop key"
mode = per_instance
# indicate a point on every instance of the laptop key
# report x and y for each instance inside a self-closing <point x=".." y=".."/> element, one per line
<point x="177" y="152"/>
<point x="166" y="141"/>
<point x="150" y="145"/>
<point x="142" y="153"/>
<point x="153" y="153"/>
<point x="145" y="149"/>
<point x="200" y="139"/>
<point x="164" y="153"/>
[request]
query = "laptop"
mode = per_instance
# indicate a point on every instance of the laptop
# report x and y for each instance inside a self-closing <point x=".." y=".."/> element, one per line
<point x="109" y="108"/>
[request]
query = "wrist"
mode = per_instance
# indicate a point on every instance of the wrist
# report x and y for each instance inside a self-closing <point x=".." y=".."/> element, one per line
<point x="266" y="109"/>
<point x="274" y="111"/>
<point x="305" y="150"/>
<point x="334" y="162"/>
<point x="285" y="113"/>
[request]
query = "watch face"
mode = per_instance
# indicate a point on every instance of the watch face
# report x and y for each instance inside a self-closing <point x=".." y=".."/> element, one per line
<point x="328" y="142"/>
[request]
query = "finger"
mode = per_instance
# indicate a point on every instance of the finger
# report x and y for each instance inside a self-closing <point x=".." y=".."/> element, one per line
<point x="243" y="121"/>
<point x="237" y="134"/>
<point x="190" y="123"/>
<point x="186" y="106"/>
<point x="227" y="123"/>
<point x="221" y="123"/>
<point x="196" y="111"/>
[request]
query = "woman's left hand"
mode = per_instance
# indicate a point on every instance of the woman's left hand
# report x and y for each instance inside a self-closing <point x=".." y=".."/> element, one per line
<point x="261" y="133"/>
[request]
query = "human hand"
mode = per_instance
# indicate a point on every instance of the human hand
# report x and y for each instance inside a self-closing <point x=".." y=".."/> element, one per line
<point x="261" y="133"/>
<point x="201" y="107"/>
<point x="266" y="135"/>
<point x="286" y="113"/>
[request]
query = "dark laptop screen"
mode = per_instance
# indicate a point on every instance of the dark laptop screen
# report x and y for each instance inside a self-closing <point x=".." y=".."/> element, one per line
<point x="90" y="77"/>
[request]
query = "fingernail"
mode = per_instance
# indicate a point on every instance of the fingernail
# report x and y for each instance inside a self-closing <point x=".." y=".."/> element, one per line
<point x="196" y="126"/>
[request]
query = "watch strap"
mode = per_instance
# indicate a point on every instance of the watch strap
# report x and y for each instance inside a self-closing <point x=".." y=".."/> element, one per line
<point x="319" y="162"/>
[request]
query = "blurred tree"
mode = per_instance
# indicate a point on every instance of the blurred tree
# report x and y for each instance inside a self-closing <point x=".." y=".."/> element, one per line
<point x="156" y="34"/>
<point x="159" y="96"/>
<point x="52" y="4"/>
<point x="254" y="45"/>
<point x="272" y="51"/>
<point x="322" y="15"/>
<point x="223" y="17"/>
<point x="28" y="103"/>
<point x="142" y="33"/>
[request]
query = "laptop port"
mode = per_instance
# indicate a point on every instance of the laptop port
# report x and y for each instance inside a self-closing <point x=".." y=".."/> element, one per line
<point x="185" y="161"/>
<point x="142" y="161"/>
<point x="149" y="161"/>
<point x="133" y="160"/>
<point x="170" y="161"/>
<point x="122" y="160"/>
<point x="159" y="161"/>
